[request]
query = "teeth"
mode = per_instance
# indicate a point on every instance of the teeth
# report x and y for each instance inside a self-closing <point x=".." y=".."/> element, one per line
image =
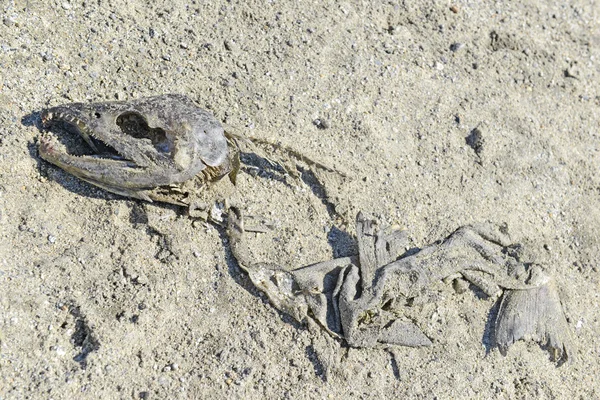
<point x="46" y="119"/>
<point x="50" y="116"/>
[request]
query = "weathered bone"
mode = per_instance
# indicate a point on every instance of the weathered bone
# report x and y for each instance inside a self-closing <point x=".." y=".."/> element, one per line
<point x="161" y="141"/>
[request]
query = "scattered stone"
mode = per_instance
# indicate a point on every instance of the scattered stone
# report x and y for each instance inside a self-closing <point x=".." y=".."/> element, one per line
<point x="572" y="72"/>
<point x="230" y="45"/>
<point x="10" y="21"/>
<point x="454" y="47"/>
<point x="475" y="140"/>
<point x="163" y="380"/>
<point x="60" y="351"/>
<point x="321" y="123"/>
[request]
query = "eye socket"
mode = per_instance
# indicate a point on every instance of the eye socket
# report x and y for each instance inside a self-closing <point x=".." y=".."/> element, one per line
<point x="135" y="125"/>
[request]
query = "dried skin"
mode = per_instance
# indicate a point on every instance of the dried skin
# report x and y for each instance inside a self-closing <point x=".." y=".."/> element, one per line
<point x="534" y="314"/>
<point x="354" y="297"/>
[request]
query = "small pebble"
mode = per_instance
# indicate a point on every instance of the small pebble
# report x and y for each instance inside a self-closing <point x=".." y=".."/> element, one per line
<point x="230" y="45"/>
<point x="475" y="140"/>
<point x="456" y="46"/>
<point x="8" y="22"/>
<point x="572" y="72"/>
<point x="51" y="239"/>
<point x="59" y="350"/>
<point x="321" y="123"/>
<point x="163" y="380"/>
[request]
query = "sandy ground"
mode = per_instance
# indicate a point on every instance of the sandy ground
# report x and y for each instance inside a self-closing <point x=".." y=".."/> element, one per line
<point x="105" y="297"/>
